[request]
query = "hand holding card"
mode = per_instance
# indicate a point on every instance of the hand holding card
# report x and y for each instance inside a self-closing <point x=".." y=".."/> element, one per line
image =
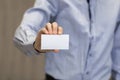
<point x="47" y="46"/>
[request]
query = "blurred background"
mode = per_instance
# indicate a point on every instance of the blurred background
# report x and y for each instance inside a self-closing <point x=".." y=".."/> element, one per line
<point x="14" y="65"/>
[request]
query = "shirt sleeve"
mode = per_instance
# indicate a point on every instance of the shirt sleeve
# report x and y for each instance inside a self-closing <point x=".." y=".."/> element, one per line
<point x="116" y="54"/>
<point x="33" y="20"/>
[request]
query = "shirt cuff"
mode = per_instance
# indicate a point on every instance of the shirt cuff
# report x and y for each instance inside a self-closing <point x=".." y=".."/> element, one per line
<point x="26" y="48"/>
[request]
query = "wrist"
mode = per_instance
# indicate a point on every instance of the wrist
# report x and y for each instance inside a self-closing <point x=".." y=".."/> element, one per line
<point x="39" y="51"/>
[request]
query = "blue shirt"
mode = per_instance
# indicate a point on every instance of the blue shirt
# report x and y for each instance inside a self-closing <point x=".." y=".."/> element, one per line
<point x="91" y="28"/>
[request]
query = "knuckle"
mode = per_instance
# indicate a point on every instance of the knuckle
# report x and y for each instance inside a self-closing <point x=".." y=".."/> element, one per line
<point x="60" y="28"/>
<point x="48" y="25"/>
<point x="54" y="24"/>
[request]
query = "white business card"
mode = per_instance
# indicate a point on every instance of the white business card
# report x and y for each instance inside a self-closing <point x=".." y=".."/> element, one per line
<point x="54" y="41"/>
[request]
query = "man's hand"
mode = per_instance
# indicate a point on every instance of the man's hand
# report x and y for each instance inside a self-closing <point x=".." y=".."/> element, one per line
<point x="53" y="28"/>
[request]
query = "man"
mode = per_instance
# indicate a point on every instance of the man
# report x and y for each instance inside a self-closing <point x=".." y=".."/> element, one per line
<point x="90" y="24"/>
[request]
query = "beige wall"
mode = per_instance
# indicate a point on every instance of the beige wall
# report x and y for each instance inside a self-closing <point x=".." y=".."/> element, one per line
<point x="14" y="65"/>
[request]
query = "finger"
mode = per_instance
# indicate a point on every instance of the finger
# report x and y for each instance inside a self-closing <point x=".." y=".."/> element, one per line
<point x="49" y="28"/>
<point x="60" y="30"/>
<point x="54" y="27"/>
<point x="44" y="31"/>
<point x="56" y="51"/>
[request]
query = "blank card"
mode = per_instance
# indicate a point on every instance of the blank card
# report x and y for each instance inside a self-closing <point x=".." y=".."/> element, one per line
<point x="54" y="41"/>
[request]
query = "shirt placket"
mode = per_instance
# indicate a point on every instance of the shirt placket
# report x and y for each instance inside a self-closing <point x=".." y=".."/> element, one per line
<point x="90" y="54"/>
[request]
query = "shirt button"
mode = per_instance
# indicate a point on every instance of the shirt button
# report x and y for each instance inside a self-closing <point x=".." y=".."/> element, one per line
<point x="87" y="73"/>
<point x="90" y="55"/>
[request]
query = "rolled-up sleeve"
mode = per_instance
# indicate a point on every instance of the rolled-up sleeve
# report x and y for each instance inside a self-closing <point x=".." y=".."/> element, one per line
<point x="33" y="20"/>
